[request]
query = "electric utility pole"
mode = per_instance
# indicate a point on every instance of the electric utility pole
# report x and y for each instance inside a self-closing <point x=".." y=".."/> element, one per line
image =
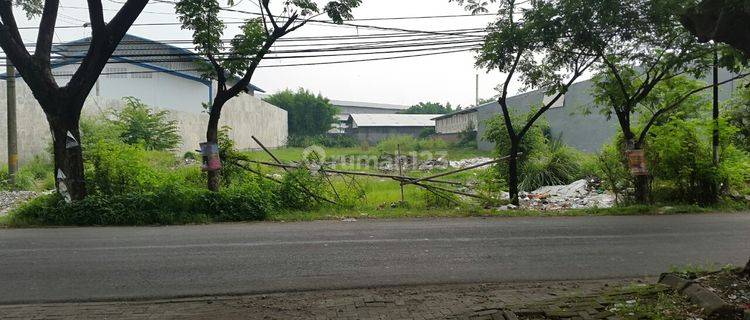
<point x="12" y="126"/>
<point x="477" y="93"/>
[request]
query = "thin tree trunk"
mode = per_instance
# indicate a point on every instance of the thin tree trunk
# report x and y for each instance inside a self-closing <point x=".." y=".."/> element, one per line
<point x="69" y="172"/>
<point x="212" y="136"/>
<point x="513" y="173"/>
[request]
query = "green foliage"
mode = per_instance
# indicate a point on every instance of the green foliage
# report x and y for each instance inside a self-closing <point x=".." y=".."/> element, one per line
<point x="554" y="164"/>
<point x="738" y="114"/>
<point x="290" y="192"/>
<point x="309" y="114"/>
<point x="230" y="157"/>
<point x="468" y="137"/>
<point x="681" y="162"/>
<point x="325" y="140"/>
<point x="438" y="199"/>
<point x="409" y="144"/>
<point x="613" y="171"/>
<point x="170" y="205"/>
<point x="97" y="129"/>
<point x="35" y="175"/>
<point x="140" y="125"/>
<point x="497" y="133"/>
<point x="114" y="168"/>
<point x="429" y="108"/>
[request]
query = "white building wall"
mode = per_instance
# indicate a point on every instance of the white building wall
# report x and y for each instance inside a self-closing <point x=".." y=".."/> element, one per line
<point x="157" y="89"/>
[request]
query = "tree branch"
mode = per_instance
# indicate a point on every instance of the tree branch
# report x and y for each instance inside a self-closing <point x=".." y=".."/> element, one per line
<point x="503" y="100"/>
<point x="46" y="32"/>
<point x="576" y="74"/>
<point x="102" y="46"/>
<point x="270" y="13"/>
<point x="674" y="105"/>
<point x="96" y="16"/>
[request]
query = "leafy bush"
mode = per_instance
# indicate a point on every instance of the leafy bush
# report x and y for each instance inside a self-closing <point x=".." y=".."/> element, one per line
<point x="114" y="168"/>
<point x="613" y="171"/>
<point x="681" y="162"/>
<point x="290" y="191"/>
<point x="141" y="125"/>
<point x="409" y="144"/>
<point x="326" y="140"/>
<point x="554" y="164"/>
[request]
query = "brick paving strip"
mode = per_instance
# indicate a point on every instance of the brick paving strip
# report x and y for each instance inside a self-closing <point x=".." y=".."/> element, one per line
<point x="478" y="301"/>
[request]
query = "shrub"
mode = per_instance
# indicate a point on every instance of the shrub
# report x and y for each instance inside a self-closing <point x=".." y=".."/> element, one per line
<point x="440" y="200"/>
<point x="292" y="197"/>
<point x="117" y="168"/>
<point x="554" y="164"/>
<point x="681" y="162"/>
<point x="613" y="171"/>
<point x="141" y="125"/>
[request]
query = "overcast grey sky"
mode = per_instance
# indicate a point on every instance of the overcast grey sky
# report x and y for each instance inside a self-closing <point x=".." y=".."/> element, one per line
<point x="441" y="78"/>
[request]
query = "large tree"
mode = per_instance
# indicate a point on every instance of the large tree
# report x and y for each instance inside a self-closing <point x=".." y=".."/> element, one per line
<point x="641" y="45"/>
<point x="62" y="104"/>
<point x="248" y="48"/>
<point x="544" y="44"/>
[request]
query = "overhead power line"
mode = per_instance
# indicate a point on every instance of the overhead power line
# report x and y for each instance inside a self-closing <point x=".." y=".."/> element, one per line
<point x="297" y="64"/>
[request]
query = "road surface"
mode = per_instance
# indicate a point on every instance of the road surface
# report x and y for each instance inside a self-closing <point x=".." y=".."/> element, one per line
<point x="90" y="264"/>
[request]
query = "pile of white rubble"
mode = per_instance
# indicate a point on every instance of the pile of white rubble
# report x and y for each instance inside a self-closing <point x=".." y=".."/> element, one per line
<point x="577" y="195"/>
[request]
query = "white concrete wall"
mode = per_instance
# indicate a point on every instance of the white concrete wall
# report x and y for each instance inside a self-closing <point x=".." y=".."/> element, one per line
<point x="247" y="115"/>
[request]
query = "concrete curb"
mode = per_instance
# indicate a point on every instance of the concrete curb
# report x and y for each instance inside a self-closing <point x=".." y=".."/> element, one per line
<point x="712" y="304"/>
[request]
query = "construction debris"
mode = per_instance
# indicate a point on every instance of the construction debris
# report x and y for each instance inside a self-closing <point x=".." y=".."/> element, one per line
<point x="465" y="163"/>
<point x="577" y="195"/>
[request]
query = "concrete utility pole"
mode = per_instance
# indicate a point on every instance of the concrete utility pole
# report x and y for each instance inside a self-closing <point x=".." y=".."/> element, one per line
<point x="477" y="92"/>
<point x="716" y="108"/>
<point x="12" y="126"/>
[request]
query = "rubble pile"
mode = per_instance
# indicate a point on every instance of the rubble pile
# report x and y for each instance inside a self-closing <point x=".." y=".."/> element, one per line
<point x="577" y="195"/>
<point x="11" y="199"/>
<point x="465" y="163"/>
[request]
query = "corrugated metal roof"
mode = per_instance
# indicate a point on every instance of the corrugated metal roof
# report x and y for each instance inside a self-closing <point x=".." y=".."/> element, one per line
<point x="344" y="103"/>
<point x="140" y="51"/>
<point x="393" y="120"/>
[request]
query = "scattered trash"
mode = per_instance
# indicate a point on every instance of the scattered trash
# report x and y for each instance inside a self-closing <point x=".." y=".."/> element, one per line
<point x="577" y="195"/>
<point x="349" y="220"/>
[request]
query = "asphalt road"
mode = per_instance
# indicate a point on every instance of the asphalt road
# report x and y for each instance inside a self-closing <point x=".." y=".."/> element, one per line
<point x="85" y="264"/>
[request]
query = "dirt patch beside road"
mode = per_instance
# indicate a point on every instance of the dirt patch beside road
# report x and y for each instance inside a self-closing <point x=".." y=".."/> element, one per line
<point x="419" y="302"/>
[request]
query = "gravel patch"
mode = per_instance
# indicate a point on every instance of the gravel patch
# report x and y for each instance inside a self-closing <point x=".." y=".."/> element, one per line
<point x="9" y="200"/>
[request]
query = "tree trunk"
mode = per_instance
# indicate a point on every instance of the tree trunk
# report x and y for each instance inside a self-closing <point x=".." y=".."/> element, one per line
<point x="513" y="173"/>
<point x="69" y="173"/>
<point x="212" y="136"/>
<point x="641" y="186"/>
<point x="746" y="271"/>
